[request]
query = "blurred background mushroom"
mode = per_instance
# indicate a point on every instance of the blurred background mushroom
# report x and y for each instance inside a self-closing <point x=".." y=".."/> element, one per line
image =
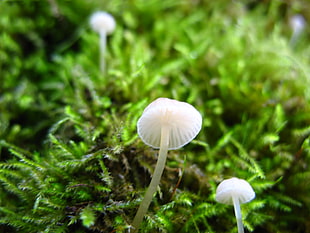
<point x="103" y="23"/>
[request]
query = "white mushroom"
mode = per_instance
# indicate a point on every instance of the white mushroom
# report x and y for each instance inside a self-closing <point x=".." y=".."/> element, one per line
<point x="104" y="24"/>
<point x="298" y="24"/>
<point x="235" y="191"/>
<point x="165" y="124"/>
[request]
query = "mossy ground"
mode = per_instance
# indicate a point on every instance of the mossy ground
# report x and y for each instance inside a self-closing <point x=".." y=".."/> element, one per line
<point x="71" y="160"/>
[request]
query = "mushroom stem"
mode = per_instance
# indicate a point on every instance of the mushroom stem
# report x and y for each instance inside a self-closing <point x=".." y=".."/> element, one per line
<point x="164" y="142"/>
<point x="103" y="42"/>
<point x="238" y="214"/>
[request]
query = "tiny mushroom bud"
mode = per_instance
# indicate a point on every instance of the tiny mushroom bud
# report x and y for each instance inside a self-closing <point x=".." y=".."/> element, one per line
<point x="104" y="24"/>
<point x="235" y="191"/>
<point x="165" y="124"/>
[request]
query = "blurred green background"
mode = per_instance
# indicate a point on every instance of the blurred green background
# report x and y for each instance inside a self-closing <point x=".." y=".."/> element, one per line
<point x="70" y="157"/>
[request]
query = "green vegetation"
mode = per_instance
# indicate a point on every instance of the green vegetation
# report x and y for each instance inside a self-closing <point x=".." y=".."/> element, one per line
<point x="70" y="156"/>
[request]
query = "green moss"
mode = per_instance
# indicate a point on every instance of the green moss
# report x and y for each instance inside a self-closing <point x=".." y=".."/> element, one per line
<point x="70" y="157"/>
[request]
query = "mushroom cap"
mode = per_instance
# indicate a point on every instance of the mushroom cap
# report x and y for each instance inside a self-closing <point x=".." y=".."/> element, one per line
<point x="183" y="120"/>
<point x="102" y="21"/>
<point x="297" y="22"/>
<point x="229" y="188"/>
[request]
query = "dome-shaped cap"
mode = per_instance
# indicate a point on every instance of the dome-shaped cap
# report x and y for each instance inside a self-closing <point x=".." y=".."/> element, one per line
<point x="239" y="188"/>
<point x="102" y="21"/>
<point x="183" y="120"/>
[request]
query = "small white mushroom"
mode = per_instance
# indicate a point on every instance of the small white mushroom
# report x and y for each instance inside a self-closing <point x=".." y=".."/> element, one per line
<point x="165" y="124"/>
<point x="298" y="24"/>
<point x="104" y="24"/>
<point x="235" y="191"/>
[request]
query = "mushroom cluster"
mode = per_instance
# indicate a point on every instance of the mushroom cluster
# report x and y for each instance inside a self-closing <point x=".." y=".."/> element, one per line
<point x="165" y="124"/>
<point x="168" y="124"/>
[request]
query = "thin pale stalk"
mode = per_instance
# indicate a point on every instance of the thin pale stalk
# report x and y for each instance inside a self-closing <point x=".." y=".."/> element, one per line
<point x="238" y="214"/>
<point x="164" y="142"/>
<point x="102" y="45"/>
